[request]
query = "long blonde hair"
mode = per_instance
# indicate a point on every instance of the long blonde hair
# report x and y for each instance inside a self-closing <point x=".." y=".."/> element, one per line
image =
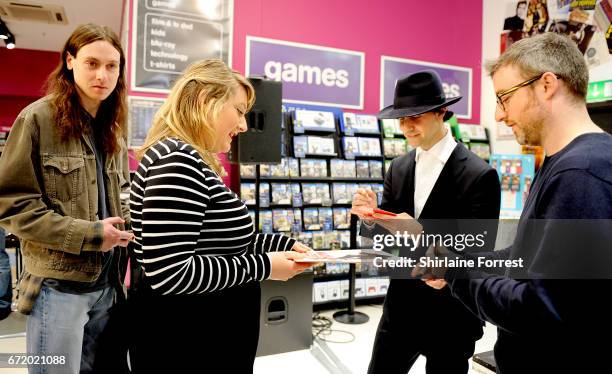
<point x="192" y="109"/>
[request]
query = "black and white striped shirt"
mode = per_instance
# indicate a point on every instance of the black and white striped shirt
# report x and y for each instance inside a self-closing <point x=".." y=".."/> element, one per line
<point x="193" y="234"/>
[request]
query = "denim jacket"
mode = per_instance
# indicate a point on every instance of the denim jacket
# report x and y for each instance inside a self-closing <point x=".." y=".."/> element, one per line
<point x="49" y="199"/>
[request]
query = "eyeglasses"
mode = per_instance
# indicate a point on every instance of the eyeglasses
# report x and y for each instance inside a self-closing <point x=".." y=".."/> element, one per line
<point x="500" y="100"/>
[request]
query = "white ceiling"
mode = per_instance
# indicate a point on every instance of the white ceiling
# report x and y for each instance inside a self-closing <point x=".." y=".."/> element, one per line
<point x="48" y="37"/>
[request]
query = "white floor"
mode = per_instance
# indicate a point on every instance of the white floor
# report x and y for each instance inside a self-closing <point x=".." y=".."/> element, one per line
<point x="353" y="356"/>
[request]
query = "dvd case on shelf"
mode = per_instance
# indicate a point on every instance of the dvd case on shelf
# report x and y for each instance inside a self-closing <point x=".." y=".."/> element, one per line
<point x="296" y="194"/>
<point x="326" y="218"/>
<point x="264" y="195"/>
<point x="349" y="123"/>
<point x="307" y="167"/>
<point x="323" y="193"/>
<point x="367" y="124"/>
<point x="300" y="146"/>
<point x="401" y="147"/>
<point x="342" y="218"/>
<point x="472" y="132"/>
<point x="293" y="166"/>
<point x="394" y="147"/>
<point x="332" y="239"/>
<point x="389" y="147"/>
<point x="281" y="194"/>
<point x="481" y="150"/>
<point x="363" y="168"/>
<point x="313" y="120"/>
<point x="318" y="145"/>
<point x="297" y="220"/>
<point x="351" y="147"/>
<point x="376" y="169"/>
<point x="247" y="193"/>
<point x="336" y="168"/>
<point x="265" y="221"/>
<point x="264" y="170"/>
<point x="345" y="238"/>
<point x="247" y="171"/>
<point x="391" y="128"/>
<point x="313" y="168"/>
<point x="282" y="219"/>
<point x="309" y="193"/>
<point x="318" y="240"/>
<point x="350" y="170"/>
<point x="339" y="193"/>
<point x="359" y="124"/>
<point x="305" y="237"/>
<point x="311" y="219"/>
<point x="280" y="169"/>
<point x="369" y="146"/>
<point x="320" y="168"/>
<point x="342" y="168"/>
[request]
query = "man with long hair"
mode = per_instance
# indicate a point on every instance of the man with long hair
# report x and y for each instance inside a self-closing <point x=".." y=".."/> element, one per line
<point x="63" y="167"/>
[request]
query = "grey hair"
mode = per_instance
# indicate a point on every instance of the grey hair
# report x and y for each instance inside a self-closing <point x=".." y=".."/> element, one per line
<point x="548" y="52"/>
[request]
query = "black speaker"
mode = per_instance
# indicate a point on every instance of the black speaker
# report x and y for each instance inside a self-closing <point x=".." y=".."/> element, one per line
<point x="262" y="141"/>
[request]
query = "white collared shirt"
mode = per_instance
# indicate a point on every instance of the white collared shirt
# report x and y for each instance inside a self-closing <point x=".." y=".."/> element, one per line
<point x="429" y="165"/>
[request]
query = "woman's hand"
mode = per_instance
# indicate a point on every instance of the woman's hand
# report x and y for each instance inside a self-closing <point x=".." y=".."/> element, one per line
<point x="301" y="248"/>
<point x="283" y="265"/>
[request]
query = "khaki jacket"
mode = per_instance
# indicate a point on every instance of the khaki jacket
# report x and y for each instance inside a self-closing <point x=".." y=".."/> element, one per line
<point x="49" y="199"/>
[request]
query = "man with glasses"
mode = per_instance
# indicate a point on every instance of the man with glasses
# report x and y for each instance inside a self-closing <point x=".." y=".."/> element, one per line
<point x="550" y="317"/>
<point x="439" y="180"/>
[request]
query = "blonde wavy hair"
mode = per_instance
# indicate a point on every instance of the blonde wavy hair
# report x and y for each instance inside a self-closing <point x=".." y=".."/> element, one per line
<point x="192" y="108"/>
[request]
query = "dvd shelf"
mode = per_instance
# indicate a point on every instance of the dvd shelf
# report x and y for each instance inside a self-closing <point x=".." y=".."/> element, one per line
<point x="394" y="143"/>
<point x="327" y="156"/>
<point x="474" y="137"/>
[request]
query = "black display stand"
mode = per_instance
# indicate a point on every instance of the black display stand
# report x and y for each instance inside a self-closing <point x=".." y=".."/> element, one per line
<point x="350" y="316"/>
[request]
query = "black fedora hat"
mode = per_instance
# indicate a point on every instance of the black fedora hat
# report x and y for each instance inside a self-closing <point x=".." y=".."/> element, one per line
<point x="418" y="93"/>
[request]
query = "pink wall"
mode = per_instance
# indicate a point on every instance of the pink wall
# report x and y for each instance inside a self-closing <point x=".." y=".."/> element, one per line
<point x="23" y="73"/>
<point x="441" y="31"/>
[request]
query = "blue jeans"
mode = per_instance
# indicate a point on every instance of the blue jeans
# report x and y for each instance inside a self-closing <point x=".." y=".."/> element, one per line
<point x="6" y="286"/>
<point x="67" y="324"/>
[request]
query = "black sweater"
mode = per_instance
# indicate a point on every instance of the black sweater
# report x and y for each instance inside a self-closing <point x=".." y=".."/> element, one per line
<point x="544" y="323"/>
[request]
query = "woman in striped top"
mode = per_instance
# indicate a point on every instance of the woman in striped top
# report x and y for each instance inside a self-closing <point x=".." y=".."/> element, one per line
<point x="195" y="240"/>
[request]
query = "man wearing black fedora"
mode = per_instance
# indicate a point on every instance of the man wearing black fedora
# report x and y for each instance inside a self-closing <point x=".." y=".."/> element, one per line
<point x="439" y="180"/>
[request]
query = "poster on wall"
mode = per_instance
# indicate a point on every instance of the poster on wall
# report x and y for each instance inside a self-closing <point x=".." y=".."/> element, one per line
<point x="310" y="74"/>
<point x="456" y="81"/>
<point x="168" y="36"/>
<point x="141" y="111"/>
<point x="536" y="18"/>
<point x="515" y="18"/>
<point x="583" y="21"/>
<point x="516" y="173"/>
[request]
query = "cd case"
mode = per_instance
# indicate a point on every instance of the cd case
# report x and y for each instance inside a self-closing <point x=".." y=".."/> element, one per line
<point x="347" y="256"/>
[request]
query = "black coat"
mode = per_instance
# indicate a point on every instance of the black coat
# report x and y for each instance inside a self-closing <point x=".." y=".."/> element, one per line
<point x="467" y="188"/>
